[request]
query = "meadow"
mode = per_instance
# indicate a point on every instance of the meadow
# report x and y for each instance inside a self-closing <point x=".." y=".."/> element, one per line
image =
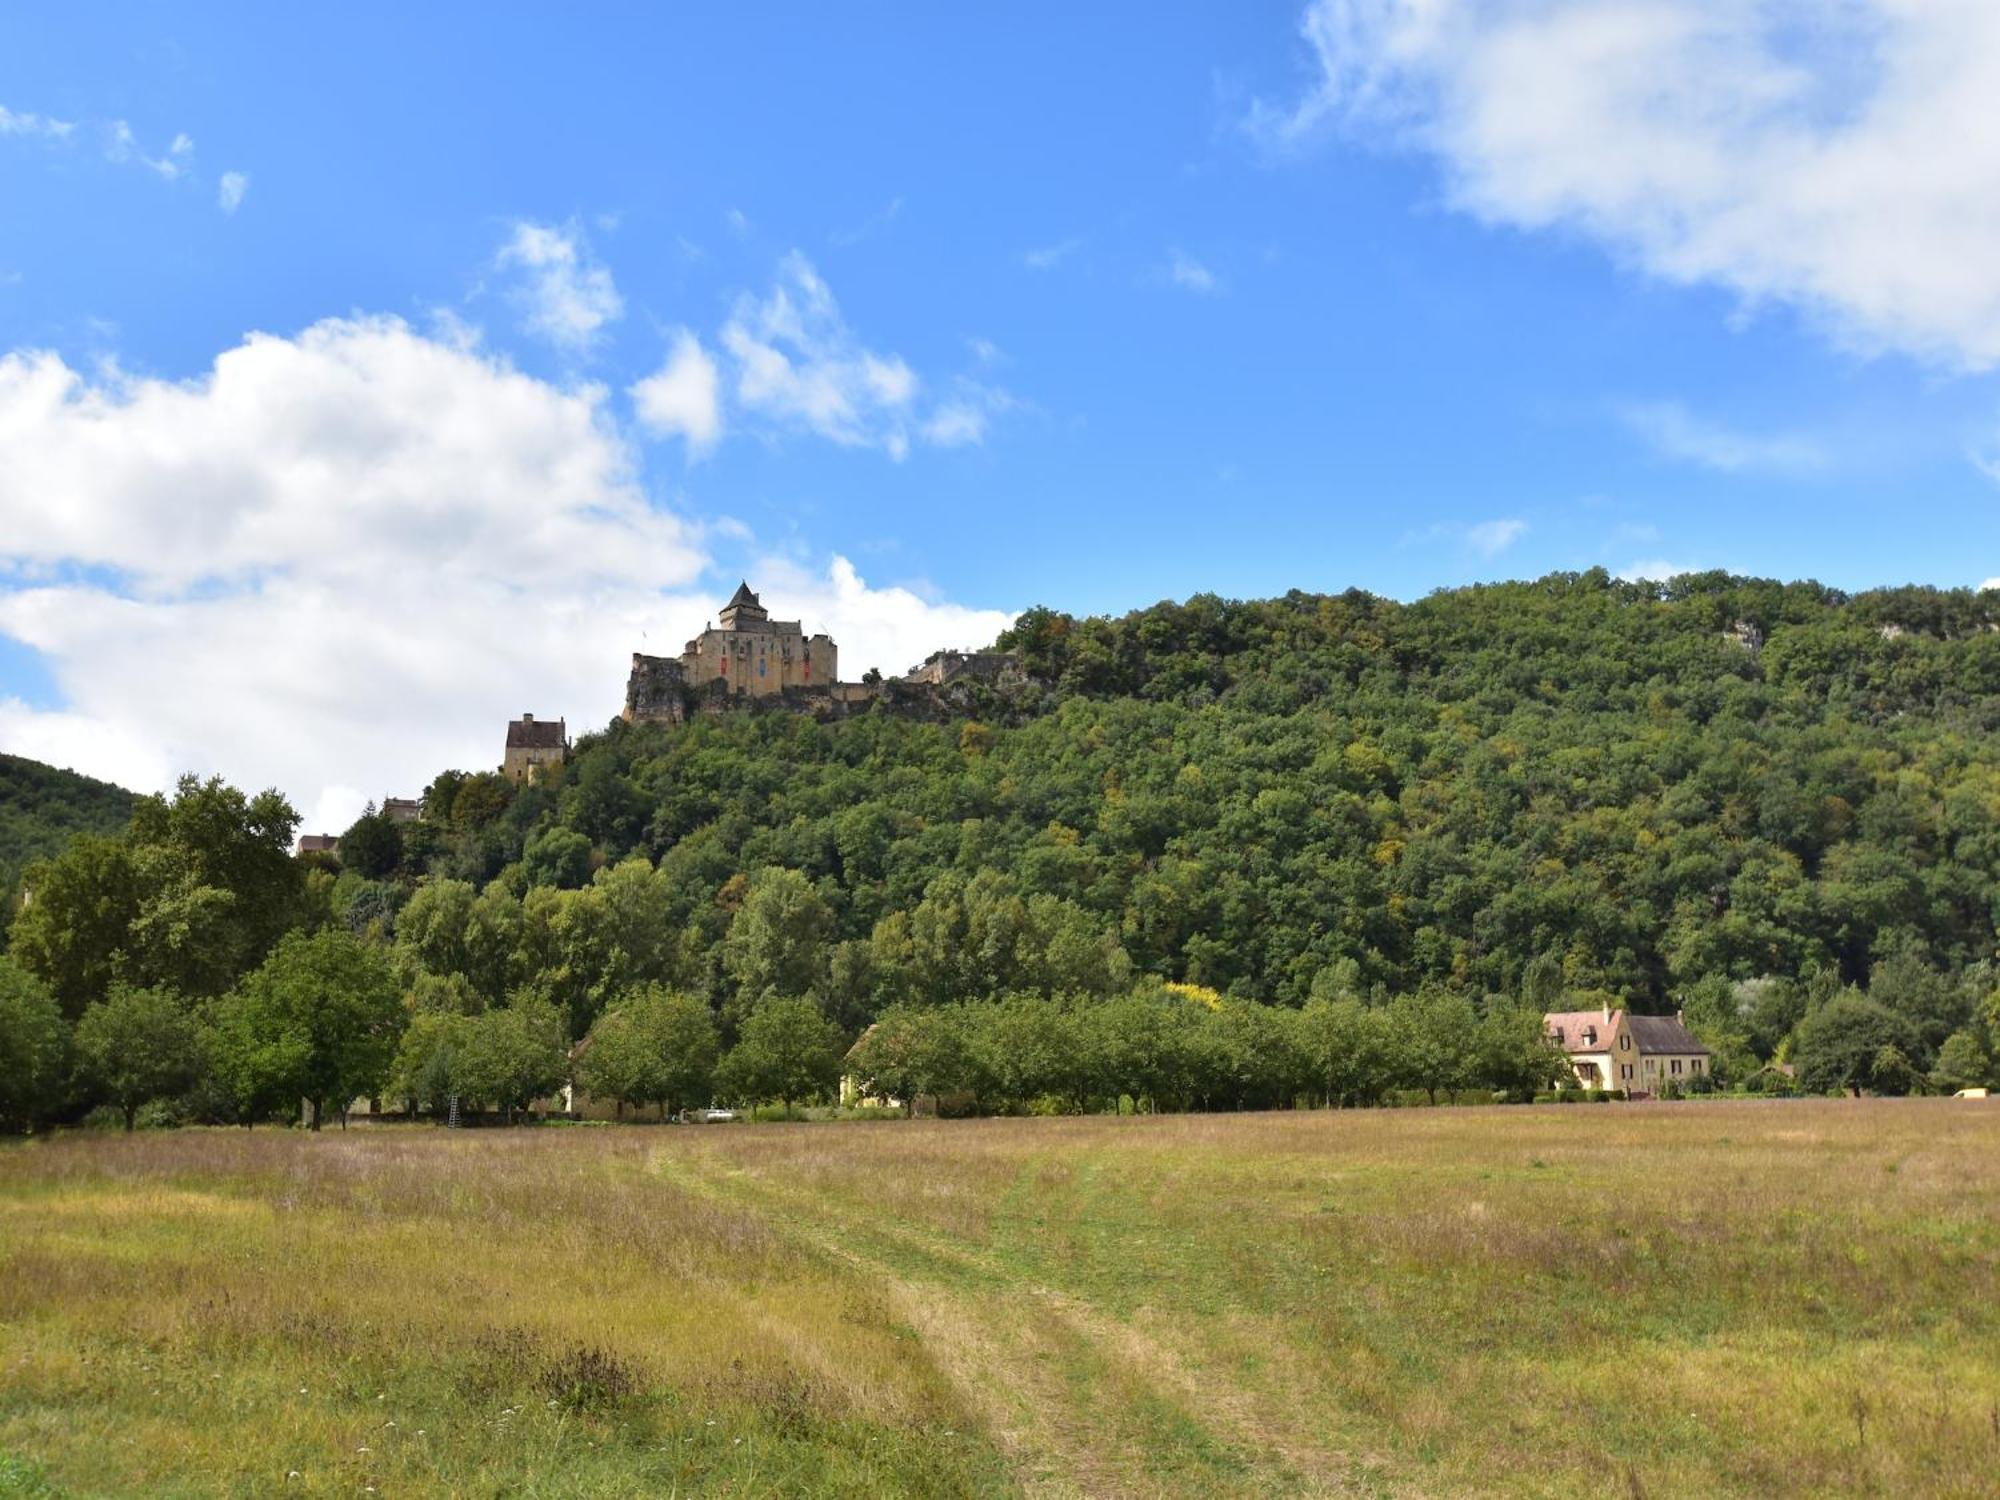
<point x="1714" y="1298"/>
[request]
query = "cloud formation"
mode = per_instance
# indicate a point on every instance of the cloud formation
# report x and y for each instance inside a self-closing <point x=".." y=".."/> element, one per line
<point x="797" y="364"/>
<point x="122" y="145"/>
<point x="1488" y="539"/>
<point x="1835" y="158"/>
<point x="230" y="190"/>
<point x="338" y="562"/>
<point x="565" y="295"/>
<point x="18" y="123"/>
<point x="1673" y="431"/>
<point x="1184" y="271"/>
<point x="684" y="396"/>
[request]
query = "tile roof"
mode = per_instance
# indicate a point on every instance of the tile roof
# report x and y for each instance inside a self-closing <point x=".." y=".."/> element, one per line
<point x="1568" y="1026"/>
<point x="536" y="734"/>
<point x="1662" y="1034"/>
<point x="1650" y="1034"/>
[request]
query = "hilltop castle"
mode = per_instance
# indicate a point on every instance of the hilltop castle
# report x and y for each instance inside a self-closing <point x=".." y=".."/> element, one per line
<point x="751" y="659"/>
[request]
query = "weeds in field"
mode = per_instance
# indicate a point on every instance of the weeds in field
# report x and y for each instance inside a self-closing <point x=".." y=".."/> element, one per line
<point x="1728" y="1298"/>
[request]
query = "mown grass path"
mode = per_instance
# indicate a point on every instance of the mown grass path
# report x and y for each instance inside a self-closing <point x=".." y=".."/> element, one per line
<point x="1083" y="1400"/>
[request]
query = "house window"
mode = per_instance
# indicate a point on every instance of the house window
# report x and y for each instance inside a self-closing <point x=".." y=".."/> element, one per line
<point x="1590" y="1036"/>
<point x="1624" y="1070"/>
<point x="1675" y="1066"/>
<point x="1624" y="1044"/>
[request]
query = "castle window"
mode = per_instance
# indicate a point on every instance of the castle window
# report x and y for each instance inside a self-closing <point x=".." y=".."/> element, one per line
<point x="760" y="666"/>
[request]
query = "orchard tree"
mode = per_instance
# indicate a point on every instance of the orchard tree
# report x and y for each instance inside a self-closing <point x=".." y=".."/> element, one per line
<point x="912" y="1053"/>
<point x="655" y="1047"/>
<point x="1436" y="1037"/>
<point x="785" y="1050"/>
<point x="512" y="1056"/>
<point x="137" y="1046"/>
<point x="318" y="1020"/>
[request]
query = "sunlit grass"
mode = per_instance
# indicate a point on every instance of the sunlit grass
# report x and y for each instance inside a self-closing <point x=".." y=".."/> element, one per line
<point x="1748" y="1299"/>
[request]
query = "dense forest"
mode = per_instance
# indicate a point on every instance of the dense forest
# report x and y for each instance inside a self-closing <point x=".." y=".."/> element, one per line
<point x="1775" y="806"/>
<point x="41" y="807"/>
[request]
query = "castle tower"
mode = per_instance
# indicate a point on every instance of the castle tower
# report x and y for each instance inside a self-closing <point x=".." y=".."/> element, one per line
<point x="743" y="611"/>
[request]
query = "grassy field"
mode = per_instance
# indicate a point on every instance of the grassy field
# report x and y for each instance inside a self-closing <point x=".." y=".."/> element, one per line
<point x="1689" y="1299"/>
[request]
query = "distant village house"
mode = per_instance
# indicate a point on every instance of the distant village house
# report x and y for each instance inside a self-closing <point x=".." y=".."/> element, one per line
<point x="533" y="744"/>
<point x="1610" y="1049"/>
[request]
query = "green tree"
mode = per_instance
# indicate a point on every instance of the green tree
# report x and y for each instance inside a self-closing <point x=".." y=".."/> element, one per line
<point x="219" y="881"/>
<point x="372" y="847"/>
<point x="1515" y="1052"/>
<point x="778" y="941"/>
<point x="34" y="1049"/>
<point x="1436" y="1038"/>
<point x="512" y="1056"/>
<point x="654" y="1047"/>
<point x="137" y="1046"/>
<point x="433" y="926"/>
<point x="1350" y="1051"/>
<point x="786" y="1050"/>
<point x="425" y="1071"/>
<point x="318" y="1020"/>
<point x="1838" y="1045"/>
<point x="558" y="857"/>
<point x="73" y="932"/>
<point x="1965" y="1061"/>
<point x="912" y="1053"/>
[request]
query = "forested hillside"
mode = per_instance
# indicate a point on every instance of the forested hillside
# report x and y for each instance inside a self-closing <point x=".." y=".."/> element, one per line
<point x="1774" y="806"/>
<point x="1724" y="777"/>
<point x="41" y="807"/>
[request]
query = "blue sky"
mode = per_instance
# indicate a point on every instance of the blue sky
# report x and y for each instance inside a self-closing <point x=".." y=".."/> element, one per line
<point x="1087" y="310"/>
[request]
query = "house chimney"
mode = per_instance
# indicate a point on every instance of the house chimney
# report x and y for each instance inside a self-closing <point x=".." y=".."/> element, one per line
<point x="1681" y="1016"/>
<point x="527" y="718"/>
<point x="1607" y="1015"/>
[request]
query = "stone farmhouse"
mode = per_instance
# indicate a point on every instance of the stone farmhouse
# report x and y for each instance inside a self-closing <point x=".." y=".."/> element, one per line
<point x="1641" y="1054"/>
<point x="748" y="659"/>
<point x="533" y="743"/>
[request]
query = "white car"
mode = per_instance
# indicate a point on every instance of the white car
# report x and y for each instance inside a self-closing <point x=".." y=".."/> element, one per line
<point x="715" y="1116"/>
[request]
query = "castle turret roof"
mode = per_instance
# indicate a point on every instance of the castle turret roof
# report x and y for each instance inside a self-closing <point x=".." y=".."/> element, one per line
<point x="743" y="596"/>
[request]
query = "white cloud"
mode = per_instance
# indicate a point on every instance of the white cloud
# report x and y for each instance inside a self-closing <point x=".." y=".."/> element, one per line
<point x="1835" y="157"/>
<point x="683" y="396"/>
<point x="339" y="562"/>
<point x="15" y="122"/>
<point x="1991" y="583"/>
<point x="339" y="559"/>
<point x="1048" y="257"/>
<point x="230" y="190"/>
<point x="1183" y="270"/>
<point x="1673" y="431"/>
<point x="799" y="364"/>
<point x="1486" y="538"/>
<point x="122" y="145"/>
<point x="1655" y="570"/>
<point x="565" y="295"/>
<point x="1491" y="538"/>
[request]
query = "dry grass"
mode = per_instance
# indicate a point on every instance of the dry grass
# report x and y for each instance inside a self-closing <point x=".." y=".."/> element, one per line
<point x="1726" y="1298"/>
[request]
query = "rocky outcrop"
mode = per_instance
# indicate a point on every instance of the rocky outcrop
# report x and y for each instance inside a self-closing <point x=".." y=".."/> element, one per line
<point x="656" y="692"/>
